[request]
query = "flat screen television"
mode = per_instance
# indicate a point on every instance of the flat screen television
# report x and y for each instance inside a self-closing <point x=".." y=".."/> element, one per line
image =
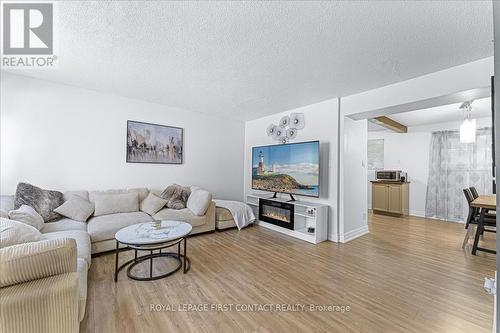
<point x="287" y="168"/>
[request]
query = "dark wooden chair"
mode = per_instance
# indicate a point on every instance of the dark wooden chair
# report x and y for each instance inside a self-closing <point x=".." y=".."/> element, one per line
<point x="473" y="191"/>
<point x="473" y="216"/>
<point x="473" y="211"/>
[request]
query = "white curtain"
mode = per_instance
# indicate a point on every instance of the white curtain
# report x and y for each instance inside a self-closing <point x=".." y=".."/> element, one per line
<point x="454" y="166"/>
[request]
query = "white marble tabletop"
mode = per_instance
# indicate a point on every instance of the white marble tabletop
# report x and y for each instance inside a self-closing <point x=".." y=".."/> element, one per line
<point x="147" y="233"/>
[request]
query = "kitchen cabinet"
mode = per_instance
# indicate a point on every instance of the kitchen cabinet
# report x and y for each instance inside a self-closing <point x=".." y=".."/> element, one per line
<point x="390" y="198"/>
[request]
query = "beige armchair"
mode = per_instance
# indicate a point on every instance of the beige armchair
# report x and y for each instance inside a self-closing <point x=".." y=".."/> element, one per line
<point x="39" y="287"/>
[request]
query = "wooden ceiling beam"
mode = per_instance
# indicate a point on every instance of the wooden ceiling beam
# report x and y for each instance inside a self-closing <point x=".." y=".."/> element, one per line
<point x="390" y="124"/>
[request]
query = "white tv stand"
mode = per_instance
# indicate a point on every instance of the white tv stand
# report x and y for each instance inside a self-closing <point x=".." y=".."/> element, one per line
<point x="306" y="214"/>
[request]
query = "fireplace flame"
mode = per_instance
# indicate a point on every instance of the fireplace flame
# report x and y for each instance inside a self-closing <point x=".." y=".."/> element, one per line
<point x="276" y="216"/>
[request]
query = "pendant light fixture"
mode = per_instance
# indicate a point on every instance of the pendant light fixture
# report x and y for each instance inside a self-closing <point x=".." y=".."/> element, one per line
<point x="468" y="127"/>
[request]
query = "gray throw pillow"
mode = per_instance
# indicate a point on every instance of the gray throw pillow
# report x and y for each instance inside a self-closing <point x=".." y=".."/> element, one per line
<point x="43" y="201"/>
<point x="27" y="215"/>
<point x="176" y="196"/>
<point x="152" y="204"/>
<point x="76" y="208"/>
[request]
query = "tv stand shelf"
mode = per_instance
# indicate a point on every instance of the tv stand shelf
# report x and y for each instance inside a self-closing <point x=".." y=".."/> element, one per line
<point x="306" y="214"/>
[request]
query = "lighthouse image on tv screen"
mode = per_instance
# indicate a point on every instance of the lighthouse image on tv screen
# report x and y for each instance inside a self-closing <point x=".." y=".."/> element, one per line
<point x="288" y="168"/>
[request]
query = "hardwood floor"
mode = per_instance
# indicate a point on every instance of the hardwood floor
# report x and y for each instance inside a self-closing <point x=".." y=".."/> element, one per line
<point x="407" y="275"/>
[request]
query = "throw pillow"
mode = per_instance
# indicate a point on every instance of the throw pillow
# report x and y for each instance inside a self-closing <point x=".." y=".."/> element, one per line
<point x="76" y="208"/>
<point x="28" y="215"/>
<point x="116" y="203"/>
<point x="152" y="204"/>
<point x="43" y="201"/>
<point x="199" y="201"/>
<point x="12" y="233"/>
<point x="176" y="196"/>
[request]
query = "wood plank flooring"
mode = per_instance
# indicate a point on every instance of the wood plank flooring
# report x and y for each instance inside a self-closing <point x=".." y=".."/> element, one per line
<point x="407" y="275"/>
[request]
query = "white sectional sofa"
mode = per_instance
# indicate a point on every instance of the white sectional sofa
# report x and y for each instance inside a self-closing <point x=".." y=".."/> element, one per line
<point x="95" y="236"/>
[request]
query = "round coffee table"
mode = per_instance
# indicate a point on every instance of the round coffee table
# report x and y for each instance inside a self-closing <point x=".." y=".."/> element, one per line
<point x="153" y="236"/>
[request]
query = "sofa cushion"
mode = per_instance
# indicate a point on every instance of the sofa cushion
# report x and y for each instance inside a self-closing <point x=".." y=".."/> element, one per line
<point x="28" y="215"/>
<point x="141" y="191"/>
<point x="76" y="208"/>
<point x="63" y="225"/>
<point x="116" y="203"/>
<point x="198" y="201"/>
<point x="223" y="214"/>
<point x="82" y="241"/>
<point x="81" y="269"/>
<point x="152" y="204"/>
<point x="176" y="196"/>
<point x="185" y="215"/>
<point x="81" y="193"/>
<point x="13" y="232"/>
<point x="104" y="227"/>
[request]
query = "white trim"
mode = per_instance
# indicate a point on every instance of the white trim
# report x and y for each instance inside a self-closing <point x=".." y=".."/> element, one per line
<point x="333" y="237"/>
<point x="350" y="235"/>
<point x="417" y="213"/>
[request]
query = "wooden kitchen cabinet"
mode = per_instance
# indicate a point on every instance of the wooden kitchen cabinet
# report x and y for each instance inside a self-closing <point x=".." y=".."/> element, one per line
<point x="391" y="198"/>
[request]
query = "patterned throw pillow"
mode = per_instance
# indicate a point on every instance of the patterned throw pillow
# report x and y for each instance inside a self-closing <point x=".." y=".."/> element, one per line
<point x="43" y="201"/>
<point x="176" y="196"/>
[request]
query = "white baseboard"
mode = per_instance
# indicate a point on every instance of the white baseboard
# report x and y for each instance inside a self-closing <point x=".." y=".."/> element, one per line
<point x="333" y="238"/>
<point x="350" y="235"/>
<point x="417" y="213"/>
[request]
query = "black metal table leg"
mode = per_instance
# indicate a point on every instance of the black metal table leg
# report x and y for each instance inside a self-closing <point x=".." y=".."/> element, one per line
<point x="151" y="266"/>
<point x="479" y="230"/>
<point x="116" y="260"/>
<point x="185" y="254"/>
<point x="181" y="259"/>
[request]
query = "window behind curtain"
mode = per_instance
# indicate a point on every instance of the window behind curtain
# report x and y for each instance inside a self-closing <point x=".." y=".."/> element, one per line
<point x="454" y="166"/>
<point x="376" y="154"/>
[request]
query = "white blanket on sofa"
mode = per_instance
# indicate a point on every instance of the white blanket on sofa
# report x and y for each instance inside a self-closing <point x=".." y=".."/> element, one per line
<point x="242" y="213"/>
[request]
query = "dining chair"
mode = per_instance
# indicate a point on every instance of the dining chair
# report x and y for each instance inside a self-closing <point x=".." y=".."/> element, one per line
<point x="489" y="224"/>
<point x="471" y="217"/>
<point x="474" y="193"/>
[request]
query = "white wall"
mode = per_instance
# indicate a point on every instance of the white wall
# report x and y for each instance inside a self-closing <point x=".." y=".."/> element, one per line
<point x="61" y="137"/>
<point x="353" y="215"/>
<point x="321" y="124"/>
<point x="410" y="152"/>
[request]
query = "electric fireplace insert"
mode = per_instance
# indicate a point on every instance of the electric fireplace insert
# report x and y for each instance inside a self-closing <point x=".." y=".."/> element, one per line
<point x="276" y="212"/>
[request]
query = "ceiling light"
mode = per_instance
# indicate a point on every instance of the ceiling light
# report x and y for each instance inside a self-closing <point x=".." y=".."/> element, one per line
<point x="468" y="127"/>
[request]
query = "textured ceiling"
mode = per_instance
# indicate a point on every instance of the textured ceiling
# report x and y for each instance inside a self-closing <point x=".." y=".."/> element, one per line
<point x="481" y="108"/>
<point x="249" y="59"/>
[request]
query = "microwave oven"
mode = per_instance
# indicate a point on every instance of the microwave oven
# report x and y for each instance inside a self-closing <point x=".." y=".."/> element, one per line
<point x="391" y="175"/>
